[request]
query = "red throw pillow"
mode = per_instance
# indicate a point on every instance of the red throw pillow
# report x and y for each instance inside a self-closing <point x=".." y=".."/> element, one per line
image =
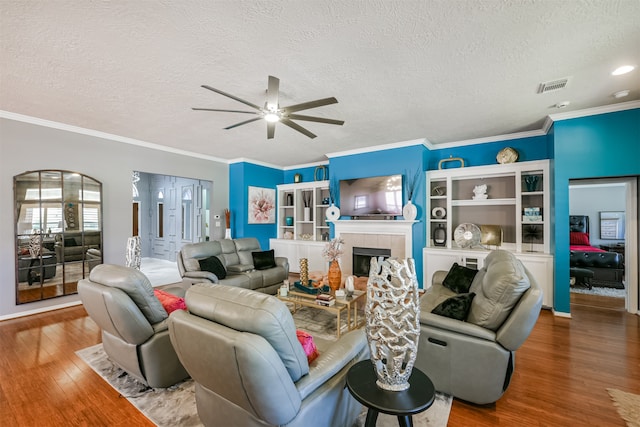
<point x="308" y="345"/>
<point x="169" y="301"/>
<point x="578" y="238"/>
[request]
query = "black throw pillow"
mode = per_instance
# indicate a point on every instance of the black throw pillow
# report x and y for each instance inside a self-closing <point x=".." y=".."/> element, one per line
<point x="263" y="260"/>
<point x="213" y="265"/>
<point x="456" y="307"/>
<point x="459" y="278"/>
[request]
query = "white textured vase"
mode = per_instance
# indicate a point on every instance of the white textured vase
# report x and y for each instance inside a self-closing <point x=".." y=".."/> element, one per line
<point x="393" y="321"/>
<point x="132" y="256"/>
<point x="307" y="214"/>
<point x="227" y="233"/>
<point x="409" y="211"/>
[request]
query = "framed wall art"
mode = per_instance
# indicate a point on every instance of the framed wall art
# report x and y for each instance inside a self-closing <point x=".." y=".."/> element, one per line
<point x="262" y="205"/>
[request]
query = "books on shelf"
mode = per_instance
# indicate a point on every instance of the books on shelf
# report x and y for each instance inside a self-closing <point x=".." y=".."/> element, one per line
<point x="533" y="214"/>
<point x="325" y="299"/>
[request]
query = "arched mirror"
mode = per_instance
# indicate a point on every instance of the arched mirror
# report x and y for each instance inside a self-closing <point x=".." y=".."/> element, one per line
<point x="58" y="230"/>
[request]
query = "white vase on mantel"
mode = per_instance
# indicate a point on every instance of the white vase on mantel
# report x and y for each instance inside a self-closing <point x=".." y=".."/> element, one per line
<point x="409" y="211"/>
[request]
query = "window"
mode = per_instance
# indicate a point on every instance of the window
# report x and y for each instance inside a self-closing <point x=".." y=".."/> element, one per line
<point x="361" y="202"/>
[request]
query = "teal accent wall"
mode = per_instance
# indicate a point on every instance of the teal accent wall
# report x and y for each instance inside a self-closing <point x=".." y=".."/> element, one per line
<point x="241" y="176"/>
<point x="389" y="162"/>
<point x="308" y="174"/>
<point x="606" y="145"/>
<point x="533" y="148"/>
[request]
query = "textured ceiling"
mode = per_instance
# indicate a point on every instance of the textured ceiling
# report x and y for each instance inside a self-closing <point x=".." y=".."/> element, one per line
<point x="445" y="71"/>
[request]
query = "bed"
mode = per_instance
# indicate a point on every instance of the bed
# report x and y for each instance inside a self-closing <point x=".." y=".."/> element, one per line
<point x="591" y="266"/>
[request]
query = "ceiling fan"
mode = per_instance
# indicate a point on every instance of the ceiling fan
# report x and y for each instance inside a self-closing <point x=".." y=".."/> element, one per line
<point x="273" y="113"/>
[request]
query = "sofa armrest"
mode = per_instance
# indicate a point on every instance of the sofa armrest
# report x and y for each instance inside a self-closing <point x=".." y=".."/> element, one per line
<point x="438" y="277"/>
<point x="349" y="349"/>
<point x="282" y="262"/>
<point x="201" y="275"/>
<point x="517" y="327"/>
<point x="430" y="320"/>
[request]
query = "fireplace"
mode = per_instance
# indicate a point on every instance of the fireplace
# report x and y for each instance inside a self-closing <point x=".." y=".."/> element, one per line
<point x="362" y="259"/>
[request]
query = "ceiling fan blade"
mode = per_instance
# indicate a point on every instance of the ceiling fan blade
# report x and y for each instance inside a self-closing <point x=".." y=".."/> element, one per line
<point x="297" y="127"/>
<point x="224" y="111"/>
<point x="316" y="119"/>
<point x="311" y="104"/>
<point x="271" y="129"/>
<point x="232" y="97"/>
<point x="242" y="123"/>
<point x="272" y="93"/>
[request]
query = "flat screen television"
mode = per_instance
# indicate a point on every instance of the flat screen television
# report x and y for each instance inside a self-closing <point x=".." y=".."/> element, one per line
<point x="371" y="196"/>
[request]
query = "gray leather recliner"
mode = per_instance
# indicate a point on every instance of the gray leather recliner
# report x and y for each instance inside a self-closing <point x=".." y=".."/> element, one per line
<point x="241" y="349"/>
<point x="134" y="327"/>
<point x="474" y="360"/>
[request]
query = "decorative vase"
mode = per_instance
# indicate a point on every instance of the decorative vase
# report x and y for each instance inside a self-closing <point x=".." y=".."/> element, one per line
<point x="289" y="199"/>
<point x="532" y="182"/>
<point x="332" y="213"/>
<point x="409" y="211"/>
<point x="393" y="321"/>
<point x="304" y="271"/>
<point x="132" y="255"/>
<point x="289" y="221"/>
<point x="440" y="235"/>
<point x="227" y="233"/>
<point x="334" y="275"/>
<point x="307" y="214"/>
<point x="349" y="286"/>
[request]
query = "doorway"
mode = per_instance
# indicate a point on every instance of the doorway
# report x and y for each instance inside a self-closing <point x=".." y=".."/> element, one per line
<point x="169" y="212"/>
<point x="597" y="199"/>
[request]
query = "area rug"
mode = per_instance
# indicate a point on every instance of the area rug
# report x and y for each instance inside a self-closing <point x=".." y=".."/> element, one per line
<point x="176" y="406"/>
<point x="160" y="271"/>
<point x="628" y="405"/>
<point x="606" y="292"/>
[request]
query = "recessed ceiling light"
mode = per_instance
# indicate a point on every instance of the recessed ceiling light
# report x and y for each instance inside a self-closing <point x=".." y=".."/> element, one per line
<point x="562" y="104"/>
<point x="623" y="70"/>
<point x="621" y="93"/>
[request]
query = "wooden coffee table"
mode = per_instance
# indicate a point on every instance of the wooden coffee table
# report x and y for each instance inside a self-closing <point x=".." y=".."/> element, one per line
<point x="345" y="304"/>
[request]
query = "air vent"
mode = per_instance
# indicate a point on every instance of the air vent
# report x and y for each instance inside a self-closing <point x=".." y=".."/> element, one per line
<point x="553" y="85"/>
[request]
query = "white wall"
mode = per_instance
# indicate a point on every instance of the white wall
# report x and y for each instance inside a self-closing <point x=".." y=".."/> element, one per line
<point x="590" y="197"/>
<point x="25" y="146"/>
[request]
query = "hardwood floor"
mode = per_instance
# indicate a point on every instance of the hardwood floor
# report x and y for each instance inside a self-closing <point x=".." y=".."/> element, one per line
<point x="561" y="374"/>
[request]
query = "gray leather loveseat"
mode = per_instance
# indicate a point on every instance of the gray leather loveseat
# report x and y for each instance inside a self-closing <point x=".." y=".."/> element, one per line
<point x="237" y="261"/>
<point x="473" y="359"/>
<point x="240" y="348"/>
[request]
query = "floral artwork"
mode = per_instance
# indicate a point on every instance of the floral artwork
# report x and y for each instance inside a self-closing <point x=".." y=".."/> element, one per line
<point x="262" y="205"/>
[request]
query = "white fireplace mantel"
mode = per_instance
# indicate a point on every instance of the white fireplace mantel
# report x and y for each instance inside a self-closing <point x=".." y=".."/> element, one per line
<point x="399" y="227"/>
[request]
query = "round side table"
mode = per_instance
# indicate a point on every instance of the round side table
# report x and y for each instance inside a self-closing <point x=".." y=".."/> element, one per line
<point x="361" y="382"/>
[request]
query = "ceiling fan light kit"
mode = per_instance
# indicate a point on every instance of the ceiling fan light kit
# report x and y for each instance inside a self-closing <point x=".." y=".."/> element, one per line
<point x="272" y="113"/>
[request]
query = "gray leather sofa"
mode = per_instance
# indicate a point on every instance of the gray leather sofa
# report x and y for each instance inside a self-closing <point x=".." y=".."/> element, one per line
<point x="474" y="360"/>
<point x="240" y="348"/>
<point x="134" y="327"/>
<point x="73" y="245"/>
<point x="236" y="257"/>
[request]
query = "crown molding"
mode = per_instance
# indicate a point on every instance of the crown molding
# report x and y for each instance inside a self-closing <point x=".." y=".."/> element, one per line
<point x="307" y="165"/>
<point x="253" y="162"/>
<point x="611" y="108"/>
<point x="104" y="135"/>
<point x="497" y="138"/>
<point x="421" y="141"/>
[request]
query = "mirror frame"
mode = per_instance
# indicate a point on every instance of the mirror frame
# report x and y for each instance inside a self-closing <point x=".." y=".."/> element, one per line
<point x="58" y="232"/>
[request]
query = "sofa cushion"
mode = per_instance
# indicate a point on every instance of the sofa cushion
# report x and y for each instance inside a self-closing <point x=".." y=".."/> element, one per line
<point x="459" y="278"/>
<point x="169" y="301"/>
<point x="213" y="265"/>
<point x="502" y="282"/>
<point x="245" y="246"/>
<point x="135" y="284"/>
<point x="456" y="307"/>
<point x="254" y="312"/>
<point x="263" y="260"/>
